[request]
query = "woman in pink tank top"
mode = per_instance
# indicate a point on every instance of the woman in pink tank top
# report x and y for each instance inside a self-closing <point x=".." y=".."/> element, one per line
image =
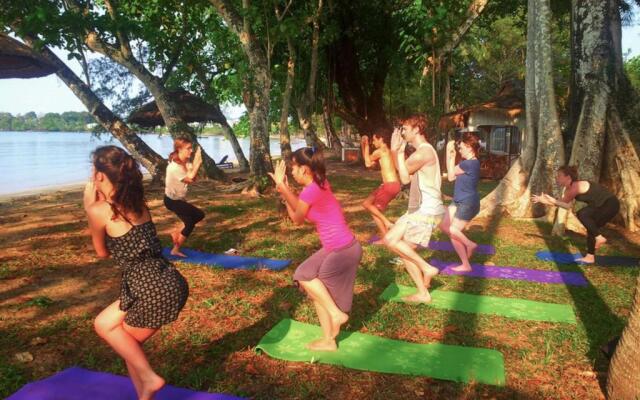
<point x="327" y="276"/>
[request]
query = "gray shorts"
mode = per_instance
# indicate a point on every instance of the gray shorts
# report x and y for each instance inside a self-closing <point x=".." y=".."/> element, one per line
<point x="417" y="227"/>
<point x="336" y="269"/>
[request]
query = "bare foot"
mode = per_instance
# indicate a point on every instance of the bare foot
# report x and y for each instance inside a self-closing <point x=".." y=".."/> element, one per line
<point x="175" y="236"/>
<point x="322" y="345"/>
<point x="429" y="272"/>
<point x="588" y="259"/>
<point x="600" y="240"/>
<point x="471" y="249"/>
<point x="337" y="321"/>
<point x="150" y="387"/>
<point x="462" y="268"/>
<point x="418" y="298"/>
<point x="176" y="252"/>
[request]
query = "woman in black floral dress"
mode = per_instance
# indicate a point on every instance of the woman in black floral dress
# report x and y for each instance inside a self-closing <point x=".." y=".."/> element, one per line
<point x="152" y="292"/>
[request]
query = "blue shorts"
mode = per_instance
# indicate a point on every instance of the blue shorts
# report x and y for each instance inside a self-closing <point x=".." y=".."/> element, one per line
<point x="466" y="210"/>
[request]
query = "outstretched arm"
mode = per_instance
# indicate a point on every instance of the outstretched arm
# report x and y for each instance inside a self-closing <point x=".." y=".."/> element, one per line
<point x="566" y="202"/>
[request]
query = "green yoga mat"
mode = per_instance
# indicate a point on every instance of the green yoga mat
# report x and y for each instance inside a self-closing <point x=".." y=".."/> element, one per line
<point x="287" y="340"/>
<point x="512" y="308"/>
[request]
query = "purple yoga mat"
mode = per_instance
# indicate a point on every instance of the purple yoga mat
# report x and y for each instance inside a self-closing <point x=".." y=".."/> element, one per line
<point x="80" y="384"/>
<point x="447" y="246"/>
<point x="513" y="273"/>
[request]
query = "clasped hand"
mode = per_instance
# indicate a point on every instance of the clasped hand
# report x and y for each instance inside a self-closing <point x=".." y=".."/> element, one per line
<point x="397" y="141"/>
<point x="279" y="175"/>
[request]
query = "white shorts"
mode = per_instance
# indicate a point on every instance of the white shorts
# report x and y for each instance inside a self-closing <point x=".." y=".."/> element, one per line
<point x="418" y="227"/>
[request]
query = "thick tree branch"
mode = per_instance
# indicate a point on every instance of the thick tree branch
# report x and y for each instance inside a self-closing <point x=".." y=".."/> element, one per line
<point x="123" y="39"/>
<point x="473" y="11"/>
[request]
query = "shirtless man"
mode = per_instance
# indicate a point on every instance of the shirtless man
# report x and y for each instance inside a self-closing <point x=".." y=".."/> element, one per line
<point x="425" y="210"/>
<point x="379" y="199"/>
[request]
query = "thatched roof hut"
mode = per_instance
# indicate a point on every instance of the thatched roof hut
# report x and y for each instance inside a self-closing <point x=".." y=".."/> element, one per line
<point x="507" y="105"/>
<point x="190" y="107"/>
<point x="18" y="60"/>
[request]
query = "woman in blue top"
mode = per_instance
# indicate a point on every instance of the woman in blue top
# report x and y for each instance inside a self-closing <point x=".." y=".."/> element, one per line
<point x="466" y="200"/>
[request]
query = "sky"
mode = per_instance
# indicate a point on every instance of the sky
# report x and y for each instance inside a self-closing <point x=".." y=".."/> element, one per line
<point x="50" y="94"/>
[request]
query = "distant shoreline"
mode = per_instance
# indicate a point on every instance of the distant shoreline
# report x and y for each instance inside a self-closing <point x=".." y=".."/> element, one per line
<point x="201" y="134"/>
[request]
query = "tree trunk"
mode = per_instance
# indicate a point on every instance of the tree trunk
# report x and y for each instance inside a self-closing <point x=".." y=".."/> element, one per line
<point x="534" y="171"/>
<point x="174" y="123"/>
<point x="145" y="155"/>
<point x="624" y="370"/>
<point x="285" y="137"/>
<point x="332" y="136"/>
<point x="228" y="133"/>
<point x="227" y="130"/>
<point x="172" y="119"/>
<point x="258" y="108"/>
<point x="601" y="149"/>
<point x="257" y="86"/>
<point x="361" y="108"/>
<point x="473" y="11"/>
<point x="447" y="85"/>
<point x="307" y="100"/>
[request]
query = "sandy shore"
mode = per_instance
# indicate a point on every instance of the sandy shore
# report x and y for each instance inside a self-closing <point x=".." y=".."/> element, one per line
<point x="65" y="188"/>
<point x="47" y="190"/>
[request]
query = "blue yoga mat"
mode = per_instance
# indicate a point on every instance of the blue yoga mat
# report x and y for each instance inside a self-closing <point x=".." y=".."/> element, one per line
<point x="226" y="261"/>
<point x="80" y="384"/>
<point x="568" y="258"/>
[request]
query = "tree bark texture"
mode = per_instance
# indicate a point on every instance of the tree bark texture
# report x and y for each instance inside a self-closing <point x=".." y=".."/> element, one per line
<point x="543" y="152"/>
<point x="285" y="137"/>
<point x="473" y="11"/>
<point x="145" y="155"/>
<point x="174" y="123"/>
<point x="307" y="99"/>
<point x="257" y="86"/>
<point x="361" y="108"/>
<point x="624" y="371"/>
<point x="332" y="136"/>
<point x="602" y="149"/>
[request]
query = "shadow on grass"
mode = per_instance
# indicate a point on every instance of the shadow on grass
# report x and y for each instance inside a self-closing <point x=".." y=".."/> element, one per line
<point x="599" y="322"/>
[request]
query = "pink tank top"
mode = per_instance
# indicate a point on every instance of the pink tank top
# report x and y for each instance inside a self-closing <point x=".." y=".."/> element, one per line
<point x="326" y="214"/>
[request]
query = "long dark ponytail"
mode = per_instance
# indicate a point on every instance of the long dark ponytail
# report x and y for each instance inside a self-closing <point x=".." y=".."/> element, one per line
<point x="314" y="159"/>
<point x="124" y="174"/>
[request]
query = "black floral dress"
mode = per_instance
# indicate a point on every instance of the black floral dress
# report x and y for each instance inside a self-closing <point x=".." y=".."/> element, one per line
<point x="152" y="291"/>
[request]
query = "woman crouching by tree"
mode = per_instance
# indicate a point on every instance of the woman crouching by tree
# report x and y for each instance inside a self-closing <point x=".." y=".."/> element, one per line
<point x="601" y="207"/>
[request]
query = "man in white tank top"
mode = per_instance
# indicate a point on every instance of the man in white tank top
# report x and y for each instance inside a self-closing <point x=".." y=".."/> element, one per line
<point x="425" y="211"/>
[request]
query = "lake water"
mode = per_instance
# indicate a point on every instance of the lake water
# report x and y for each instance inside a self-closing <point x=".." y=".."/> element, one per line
<point x="37" y="160"/>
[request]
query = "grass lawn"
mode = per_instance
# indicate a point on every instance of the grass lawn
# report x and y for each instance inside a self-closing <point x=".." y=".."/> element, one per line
<point x="52" y="286"/>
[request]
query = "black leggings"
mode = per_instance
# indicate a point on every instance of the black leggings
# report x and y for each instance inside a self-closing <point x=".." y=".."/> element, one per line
<point x="189" y="214"/>
<point x="594" y="218"/>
